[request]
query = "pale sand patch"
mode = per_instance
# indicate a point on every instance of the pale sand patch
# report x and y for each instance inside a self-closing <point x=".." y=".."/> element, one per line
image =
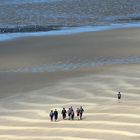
<point x="48" y="138"/>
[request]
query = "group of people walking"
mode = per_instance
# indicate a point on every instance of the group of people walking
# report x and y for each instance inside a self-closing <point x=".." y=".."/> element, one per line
<point x="70" y="113"/>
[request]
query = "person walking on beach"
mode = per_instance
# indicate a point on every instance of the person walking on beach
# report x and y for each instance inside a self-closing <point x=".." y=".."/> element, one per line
<point x="119" y="97"/>
<point x="69" y="113"/>
<point x="72" y="114"/>
<point x="55" y="115"/>
<point x="64" y="112"/>
<point x="51" y="115"/>
<point x="78" y="113"/>
<point x="81" y="112"/>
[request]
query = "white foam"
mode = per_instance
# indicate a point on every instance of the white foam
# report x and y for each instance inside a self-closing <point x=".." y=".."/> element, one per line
<point x="5" y="2"/>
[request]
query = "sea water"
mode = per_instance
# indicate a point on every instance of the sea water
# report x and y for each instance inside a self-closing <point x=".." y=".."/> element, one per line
<point x="47" y="15"/>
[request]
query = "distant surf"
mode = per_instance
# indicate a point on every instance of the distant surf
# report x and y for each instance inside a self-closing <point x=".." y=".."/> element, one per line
<point x="6" y="2"/>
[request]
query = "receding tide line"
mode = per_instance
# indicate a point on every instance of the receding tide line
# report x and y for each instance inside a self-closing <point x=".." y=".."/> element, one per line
<point x="68" y="31"/>
<point x="65" y="129"/>
<point x="72" y="66"/>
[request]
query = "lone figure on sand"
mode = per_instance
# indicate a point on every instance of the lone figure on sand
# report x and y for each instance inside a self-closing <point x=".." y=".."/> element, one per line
<point x="119" y="97"/>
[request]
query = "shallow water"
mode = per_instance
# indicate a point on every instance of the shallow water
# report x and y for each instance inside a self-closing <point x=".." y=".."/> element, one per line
<point x="43" y="15"/>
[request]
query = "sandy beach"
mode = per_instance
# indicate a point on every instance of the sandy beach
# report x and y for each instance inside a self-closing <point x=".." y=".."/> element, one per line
<point x="38" y="74"/>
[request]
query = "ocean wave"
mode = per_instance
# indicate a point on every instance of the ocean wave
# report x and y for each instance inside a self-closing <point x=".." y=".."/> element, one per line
<point x="66" y="13"/>
<point x="30" y="28"/>
<point x="131" y="18"/>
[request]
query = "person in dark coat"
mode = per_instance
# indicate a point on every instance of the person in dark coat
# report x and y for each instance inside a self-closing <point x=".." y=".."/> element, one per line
<point x="81" y="112"/>
<point x="64" y="112"/>
<point x="119" y="96"/>
<point x="55" y="115"/>
<point x="51" y="115"/>
<point x="69" y="113"/>
<point x="72" y="114"/>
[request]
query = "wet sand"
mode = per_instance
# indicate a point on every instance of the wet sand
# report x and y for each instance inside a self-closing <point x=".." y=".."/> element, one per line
<point x="26" y="97"/>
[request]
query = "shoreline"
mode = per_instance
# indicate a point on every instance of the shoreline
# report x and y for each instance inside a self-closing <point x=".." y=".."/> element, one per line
<point x="66" y="31"/>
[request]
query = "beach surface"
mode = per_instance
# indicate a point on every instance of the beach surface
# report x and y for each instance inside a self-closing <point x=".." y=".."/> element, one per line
<point x="38" y="74"/>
